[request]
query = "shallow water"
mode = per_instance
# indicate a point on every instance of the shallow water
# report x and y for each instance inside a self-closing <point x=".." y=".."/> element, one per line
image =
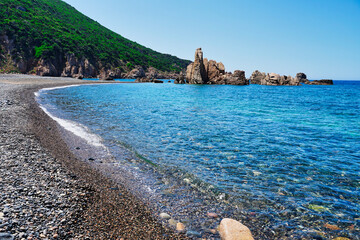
<point x="288" y="157"/>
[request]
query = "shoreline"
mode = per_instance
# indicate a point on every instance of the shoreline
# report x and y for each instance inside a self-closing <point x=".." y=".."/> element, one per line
<point x="104" y="209"/>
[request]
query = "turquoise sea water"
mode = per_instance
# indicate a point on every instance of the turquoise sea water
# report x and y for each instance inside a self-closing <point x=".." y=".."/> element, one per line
<point x="288" y="156"/>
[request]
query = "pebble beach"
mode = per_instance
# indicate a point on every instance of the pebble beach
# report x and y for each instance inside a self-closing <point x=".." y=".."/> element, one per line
<point x="46" y="192"/>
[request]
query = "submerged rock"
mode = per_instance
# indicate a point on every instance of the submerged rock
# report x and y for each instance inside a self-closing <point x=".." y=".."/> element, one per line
<point x="230" y="229"/>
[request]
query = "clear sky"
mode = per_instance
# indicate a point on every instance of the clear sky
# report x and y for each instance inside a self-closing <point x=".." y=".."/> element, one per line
<point x="318" y="37"/>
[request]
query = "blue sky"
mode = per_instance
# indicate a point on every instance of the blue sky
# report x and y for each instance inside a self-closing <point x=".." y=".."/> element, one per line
<point x="318" y="37"/>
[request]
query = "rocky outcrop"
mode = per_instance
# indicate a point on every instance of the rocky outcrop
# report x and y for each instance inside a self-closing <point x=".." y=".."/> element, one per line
<point x="273" y="79"/>
<point x="203" y="71"/>
<point x="180" y="79"/>
<point x="301" y="77"/>
<point x="109" y="74"/>
<point x="214" y="69"/>
<point x="257" y="77"/>
<point x="46" y="68"/>
<point x="196" y="72"/>
<point x="237" y="78"/>
<point x="230" y="229"/>
<point x="320" y="82"/>
<point x="137" y="72"/>
<point x="78" y="68"/>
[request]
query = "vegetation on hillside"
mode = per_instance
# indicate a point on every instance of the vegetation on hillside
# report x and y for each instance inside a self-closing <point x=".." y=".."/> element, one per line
<point x="50" y="28"/>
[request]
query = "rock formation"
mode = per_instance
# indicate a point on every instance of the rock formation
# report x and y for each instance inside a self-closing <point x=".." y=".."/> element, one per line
<point x="237" y="78"/>
<point x="137" y="72"/>
<point x="109" y="74"/>
<point x="46" y="68"/>
<point x="202" y="71"/>
<point x="301" y="77"/>
<point x="196" y="72"/>
<point x="273" y="79"/>
<point x="257" y="77"/>
<point x="320" y="82"/>
<point x="78" y="68"/>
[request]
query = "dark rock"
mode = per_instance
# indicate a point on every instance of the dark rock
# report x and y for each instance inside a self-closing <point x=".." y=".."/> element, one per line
<point x="180" y="79"/>
<point x="301" y="77"/>
<point x="6" y="236"/>
<point x="321" y="82"/>
<point x="157" y="81"/>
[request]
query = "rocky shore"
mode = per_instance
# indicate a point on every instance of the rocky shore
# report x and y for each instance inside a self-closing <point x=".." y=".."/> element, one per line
<point x="46" y="192"/>
<point x="203" y="71"/>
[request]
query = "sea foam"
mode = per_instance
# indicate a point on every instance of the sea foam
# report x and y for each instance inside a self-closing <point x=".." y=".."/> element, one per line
<point x="74" y="127"/>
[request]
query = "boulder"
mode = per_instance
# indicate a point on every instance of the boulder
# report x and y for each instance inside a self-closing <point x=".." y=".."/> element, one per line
<point x="137" y="72"/>
<point x="301" y="77"/>
<point x="273" y="79"/>
<point x="180" y="79"/>
<point x="257" y="77"/>
<point x="230" y="229"/>
<point x="196" y="74"/>
<point x="237" y="78"/>
<point x="214" y="69"/>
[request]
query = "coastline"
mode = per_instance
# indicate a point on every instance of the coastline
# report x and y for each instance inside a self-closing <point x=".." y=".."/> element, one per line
<point x="93" y="207"/>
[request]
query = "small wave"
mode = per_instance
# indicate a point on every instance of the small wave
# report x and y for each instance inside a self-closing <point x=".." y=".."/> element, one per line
<point x="74" y="127"/>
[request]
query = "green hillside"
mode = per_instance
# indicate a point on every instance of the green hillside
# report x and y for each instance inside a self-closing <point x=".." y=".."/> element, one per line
<point x="50" y="29"/>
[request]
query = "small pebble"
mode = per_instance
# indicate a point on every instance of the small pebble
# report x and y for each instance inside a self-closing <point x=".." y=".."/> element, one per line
<point x="180" y="227"/>
<point x="212" y="215"/>
<point x="165" y="216"/>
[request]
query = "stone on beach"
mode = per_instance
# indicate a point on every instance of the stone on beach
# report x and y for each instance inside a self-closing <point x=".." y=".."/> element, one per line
<point x="212" y="215"/>
<point x="165" y="216"/>
<point x="180" y="227"/>
<point x="231" y="229"/>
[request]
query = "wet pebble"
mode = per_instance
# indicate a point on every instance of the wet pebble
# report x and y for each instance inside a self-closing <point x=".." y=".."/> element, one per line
<point x="165" y="216"/>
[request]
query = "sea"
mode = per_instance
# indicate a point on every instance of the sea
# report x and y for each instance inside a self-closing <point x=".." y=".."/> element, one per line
<point x="283" y="160"/>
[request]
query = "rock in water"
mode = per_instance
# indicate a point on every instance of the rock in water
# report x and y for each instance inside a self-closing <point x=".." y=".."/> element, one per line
<point x="6" y="236"/>
<point x="301" y="77"/>
<point x="196" y="72"/>
<point x="257" y="77"/>
<point x="321" y="82"/>
<point x="273" y="79"/>
<point x="233" y="230"/>
<point x="165" y="216"/>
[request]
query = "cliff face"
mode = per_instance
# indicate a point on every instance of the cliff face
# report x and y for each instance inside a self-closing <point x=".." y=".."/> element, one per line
<point x="51" y="38"/>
